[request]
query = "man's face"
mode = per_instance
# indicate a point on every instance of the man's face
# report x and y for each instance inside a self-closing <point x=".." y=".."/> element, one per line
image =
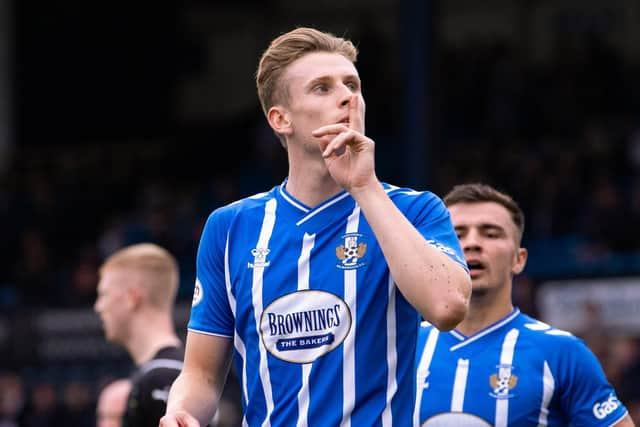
<point x="320" y="85"/>
<point x="112" y="304"/>
<point x="490" y="242"/>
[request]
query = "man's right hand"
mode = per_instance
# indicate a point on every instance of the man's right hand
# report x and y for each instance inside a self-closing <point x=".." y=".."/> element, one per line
<point x="179" y="419"/>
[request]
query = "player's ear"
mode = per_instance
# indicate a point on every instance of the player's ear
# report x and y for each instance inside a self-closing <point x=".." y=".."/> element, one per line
<point x="134" y="296"/>
<point x="519" y="261"/>
<point x="279" y="120"/>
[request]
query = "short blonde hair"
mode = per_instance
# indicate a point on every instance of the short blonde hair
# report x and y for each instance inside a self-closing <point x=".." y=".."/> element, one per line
<point x="155" y="264"/>
<point x="285" y="49"/>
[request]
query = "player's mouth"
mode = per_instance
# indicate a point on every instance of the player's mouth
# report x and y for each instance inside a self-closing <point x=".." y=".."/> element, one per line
<point x="476" y="268"/>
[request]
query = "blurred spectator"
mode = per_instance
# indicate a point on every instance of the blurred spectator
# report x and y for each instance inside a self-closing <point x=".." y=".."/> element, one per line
<point x="623" y="353"/>
<point x="34" y="269"/>
<point x="44" y="409"/>
<point x="603" y="218"/>
<point x="78" y="406"/>
<point x="593" y="333"/>
<point x="83" y="279"/>
<point x="12" y="399"/>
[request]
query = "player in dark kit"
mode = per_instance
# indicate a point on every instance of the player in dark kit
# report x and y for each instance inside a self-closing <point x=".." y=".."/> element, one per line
<point x="136" y="294"/>
<point x="148" y="398"/>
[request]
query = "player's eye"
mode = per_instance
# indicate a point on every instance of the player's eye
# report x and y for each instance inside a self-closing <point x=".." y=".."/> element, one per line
<point x="492" y="234"/>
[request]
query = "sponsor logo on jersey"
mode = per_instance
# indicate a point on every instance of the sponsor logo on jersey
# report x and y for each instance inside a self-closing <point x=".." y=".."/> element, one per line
<point x="602" y="409"/>
<point x="503" y="382"/>
<point x="351" y="251"/>
<point x="458" y="419"/>
<point x="259" y="258"/>
<point x="302" y="326"/>
<point x="197" y="293"/>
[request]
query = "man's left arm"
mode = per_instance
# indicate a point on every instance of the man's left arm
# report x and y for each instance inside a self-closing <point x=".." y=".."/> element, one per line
<point x="437" y="286"/>
<point x="433" y="283"/>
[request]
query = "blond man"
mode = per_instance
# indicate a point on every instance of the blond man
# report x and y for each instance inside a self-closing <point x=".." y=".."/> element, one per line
<point x="136" y="295"/>
<point x="317" y="286"/>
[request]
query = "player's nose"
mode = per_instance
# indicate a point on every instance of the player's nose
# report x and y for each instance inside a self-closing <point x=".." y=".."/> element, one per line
<point x="344" y="95"/>
<point x="471" y="242"/>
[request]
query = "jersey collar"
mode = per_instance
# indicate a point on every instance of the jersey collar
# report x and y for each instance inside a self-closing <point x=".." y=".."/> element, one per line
<point x="464" y="340"/>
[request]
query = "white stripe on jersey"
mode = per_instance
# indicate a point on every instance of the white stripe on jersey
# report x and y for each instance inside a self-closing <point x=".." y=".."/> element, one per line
<point x="258" y="270"/>
<point x="303" y="284"/>
<point x="459" y="385"/>
<point x="423" y="371"/>
<point x="392" y="355"/>
<point x="303" y="262"/>
<point x="238" y="343"/>
<point x="291" y="200"/>
<point x="548" y="387"/>
<point x="242" y="351"/>
<point x="504" y="372"/>
<point x="320" y="209"/>
<point x="348" y="346"/>
<point x="479" y="335"/>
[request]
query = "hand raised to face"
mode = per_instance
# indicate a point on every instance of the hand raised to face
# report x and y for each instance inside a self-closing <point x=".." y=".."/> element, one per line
<point x="349" y="156"/>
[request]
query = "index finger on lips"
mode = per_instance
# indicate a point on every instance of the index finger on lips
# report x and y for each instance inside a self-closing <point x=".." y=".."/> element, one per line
<point x="333" y="129"/>
<point x="355" y="113"/>
<point x="338" y="145"/>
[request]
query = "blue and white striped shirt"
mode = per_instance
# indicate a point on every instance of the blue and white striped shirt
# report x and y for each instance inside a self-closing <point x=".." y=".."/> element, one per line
<point x="518" y="372"/>
<point x="322" y="335"/>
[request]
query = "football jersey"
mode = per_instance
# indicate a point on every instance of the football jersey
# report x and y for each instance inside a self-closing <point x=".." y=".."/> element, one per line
<point x="322" y="335"/>
<point x="151" y="381"/>
<point x="518" y="372"/>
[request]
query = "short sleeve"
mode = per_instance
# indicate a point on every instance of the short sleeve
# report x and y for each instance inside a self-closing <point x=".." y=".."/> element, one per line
<point x="210" y="311"/>
<point x="431" y="217"/>
<point x="586" y="396"/>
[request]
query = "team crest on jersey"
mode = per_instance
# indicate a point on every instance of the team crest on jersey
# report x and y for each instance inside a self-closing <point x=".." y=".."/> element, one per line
<point x="305" y="325"/>
<point x="197" y="293"/>
<point x="503" y="382"/>
<point x="351" y="251"/>
<point x="259" y="258"/>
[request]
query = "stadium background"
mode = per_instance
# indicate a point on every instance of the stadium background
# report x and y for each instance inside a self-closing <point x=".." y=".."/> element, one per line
<point x="123" y="122"/>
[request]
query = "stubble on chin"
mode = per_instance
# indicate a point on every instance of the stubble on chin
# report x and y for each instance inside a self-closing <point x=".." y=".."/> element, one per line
<point x="481" y="293"/>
